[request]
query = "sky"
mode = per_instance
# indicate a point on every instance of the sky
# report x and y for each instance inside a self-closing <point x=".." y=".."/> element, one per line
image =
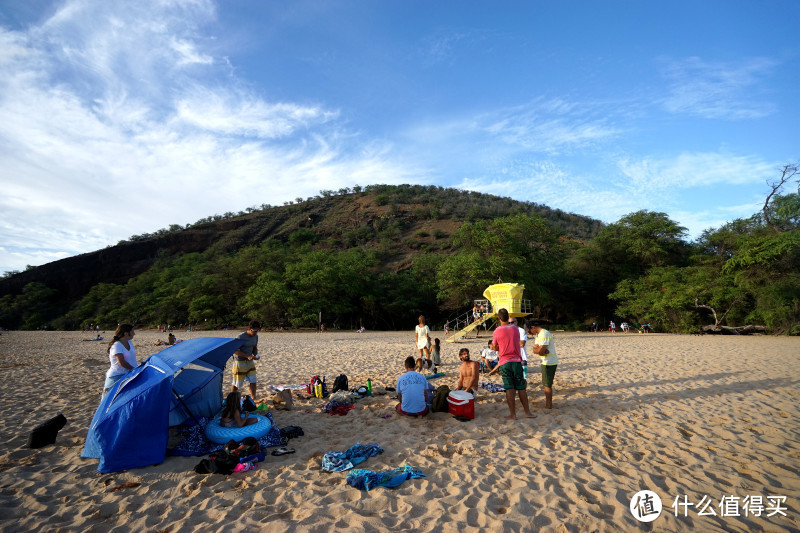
<point x="122" y="118"/>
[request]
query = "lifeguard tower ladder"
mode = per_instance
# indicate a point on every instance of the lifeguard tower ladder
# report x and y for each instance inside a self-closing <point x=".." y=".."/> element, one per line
<point x="498" y="296"/>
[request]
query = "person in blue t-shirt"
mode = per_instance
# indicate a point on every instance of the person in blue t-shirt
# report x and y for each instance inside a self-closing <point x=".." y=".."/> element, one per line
<point x="413" y="391"/>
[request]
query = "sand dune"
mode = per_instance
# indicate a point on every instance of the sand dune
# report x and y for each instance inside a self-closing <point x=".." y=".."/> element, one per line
<point x="678" y="415"/>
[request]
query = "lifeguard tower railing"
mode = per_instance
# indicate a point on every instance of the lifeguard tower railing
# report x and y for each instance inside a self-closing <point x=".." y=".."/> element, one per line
<point x="515" y="306"/>
<point x="499" y="296"/>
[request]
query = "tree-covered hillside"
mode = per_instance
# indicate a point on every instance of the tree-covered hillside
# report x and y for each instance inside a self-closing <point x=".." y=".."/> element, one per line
<point x="381" y="255"/>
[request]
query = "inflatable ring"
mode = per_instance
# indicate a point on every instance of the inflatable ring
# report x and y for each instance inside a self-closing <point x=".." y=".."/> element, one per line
<point x="216" y="433"/>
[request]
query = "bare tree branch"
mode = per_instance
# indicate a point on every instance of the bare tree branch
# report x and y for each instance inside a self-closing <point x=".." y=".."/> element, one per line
<point x="787" y="173"/>
<point x="701" y="306"/>
<point x="738" y="298"/>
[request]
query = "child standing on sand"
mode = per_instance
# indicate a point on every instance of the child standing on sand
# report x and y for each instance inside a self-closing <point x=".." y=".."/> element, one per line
<point x="436" y="353"/>
<point x="232" y="414"/>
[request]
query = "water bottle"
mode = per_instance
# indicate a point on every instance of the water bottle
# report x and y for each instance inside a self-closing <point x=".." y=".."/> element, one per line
<point x="369" y="386"/>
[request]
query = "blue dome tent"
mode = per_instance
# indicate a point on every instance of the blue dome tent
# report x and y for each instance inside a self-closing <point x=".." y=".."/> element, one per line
<point x="130" y="428"/>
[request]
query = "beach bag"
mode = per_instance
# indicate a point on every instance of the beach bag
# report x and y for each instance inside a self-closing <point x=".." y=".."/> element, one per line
<point x="340" y="383"/>
<point x="248" y="446"/>
<point x="440" y="399"/>
<point x="248" y="405"/>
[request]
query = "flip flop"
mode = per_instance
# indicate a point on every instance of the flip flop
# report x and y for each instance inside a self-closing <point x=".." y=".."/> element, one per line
<point x="283" y="451"/>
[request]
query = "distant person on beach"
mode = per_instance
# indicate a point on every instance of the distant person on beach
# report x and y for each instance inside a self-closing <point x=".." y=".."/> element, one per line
<point x="475" y="316"/>
<point x="169" y="342"/>
<point x="612" y="327"/>
<point x="413" y="391"/>
<point x="422" y="336"/>
<point x="121" y="355"/>
<point x="232" y="414"/>
<point x="468" y="373"/>
<point x="505" y="341"/>
<point x="545" y="348"/>
<point x="244" y="366"/>
<point x="446" y="328"/>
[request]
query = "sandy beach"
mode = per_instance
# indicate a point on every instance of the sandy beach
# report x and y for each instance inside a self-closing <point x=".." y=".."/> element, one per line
<point x="698" y="419"/>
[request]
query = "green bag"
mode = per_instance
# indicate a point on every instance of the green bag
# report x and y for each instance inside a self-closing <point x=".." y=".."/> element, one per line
<point x="440" y="399"/>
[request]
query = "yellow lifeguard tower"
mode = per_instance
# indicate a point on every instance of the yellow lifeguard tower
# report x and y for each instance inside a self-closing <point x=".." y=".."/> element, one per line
<point x="498" y="296"/>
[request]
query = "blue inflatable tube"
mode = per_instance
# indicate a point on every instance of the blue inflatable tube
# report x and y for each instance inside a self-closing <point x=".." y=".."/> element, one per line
<point x="221" y="435"/>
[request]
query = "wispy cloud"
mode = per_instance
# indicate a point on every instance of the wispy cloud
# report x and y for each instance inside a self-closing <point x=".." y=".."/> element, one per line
<point x="718" y="90"/>
<point x="232" y="112"/>
<point x="545" y="126"/>
<point x="448" y="45"/>
<point x="120" y="121"/>
<point x="676" y="185"/>
<point x="695" y="170"/>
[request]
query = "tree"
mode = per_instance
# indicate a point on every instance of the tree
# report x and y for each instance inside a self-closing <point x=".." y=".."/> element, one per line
<point x="626" y="250"/>
<point x="518" y="248"/>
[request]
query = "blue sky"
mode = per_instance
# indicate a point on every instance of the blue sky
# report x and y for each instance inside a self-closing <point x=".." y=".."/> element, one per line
<point x="121" y="118"/>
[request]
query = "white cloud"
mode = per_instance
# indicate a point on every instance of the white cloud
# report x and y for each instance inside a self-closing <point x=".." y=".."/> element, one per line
<point x="688" y="187"/>
<point x="230" y="112"/>
<point x="695" y="170"/>
<point x="94" y="150"/>
<point x="718" y="90"/>
<point x="545" y="126"/>
<point x="188" y="54"/>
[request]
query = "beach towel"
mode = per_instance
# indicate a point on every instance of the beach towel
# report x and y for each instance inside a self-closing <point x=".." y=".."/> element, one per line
<point x="492" y="387"/>
<point x="367" y="479"/>
<point x="356" y="454"/>
<point x="301" y="386"/>
<point x="335" y="408"/>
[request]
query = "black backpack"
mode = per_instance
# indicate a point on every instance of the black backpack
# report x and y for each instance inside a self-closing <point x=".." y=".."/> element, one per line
<point x="440" y="399"/>
<point x="340" y="383"/>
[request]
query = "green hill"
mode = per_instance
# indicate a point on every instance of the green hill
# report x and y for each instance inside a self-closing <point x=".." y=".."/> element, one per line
<point x="392" y="227"/>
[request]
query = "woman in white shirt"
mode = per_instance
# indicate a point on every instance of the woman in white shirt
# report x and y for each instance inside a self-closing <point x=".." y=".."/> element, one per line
<point x="423" y="339"/>
<point x="121" y="355"/>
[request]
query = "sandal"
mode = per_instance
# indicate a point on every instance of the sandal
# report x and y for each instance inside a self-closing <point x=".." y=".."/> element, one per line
<point x="283" y="451"/>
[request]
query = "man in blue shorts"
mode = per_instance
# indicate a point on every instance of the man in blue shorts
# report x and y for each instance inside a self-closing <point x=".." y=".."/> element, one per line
<point x="505" y="342"/>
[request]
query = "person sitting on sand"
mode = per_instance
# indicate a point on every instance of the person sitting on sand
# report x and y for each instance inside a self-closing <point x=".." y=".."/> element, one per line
<point x="232" y="414"/>
<point x="468" y="373"/>
<point x="169" y="342"/>
<point x="505" y="342"/>
<point x="488" y="357"/>
<point x="413" y="391"/>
